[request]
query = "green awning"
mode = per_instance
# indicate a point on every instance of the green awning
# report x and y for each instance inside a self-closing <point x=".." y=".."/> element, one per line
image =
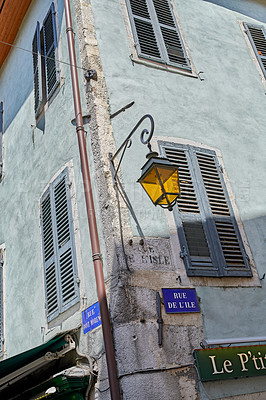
<point x="20" y="373"/>
<point x="66" y="388"/>
<point x="15" y="363"/>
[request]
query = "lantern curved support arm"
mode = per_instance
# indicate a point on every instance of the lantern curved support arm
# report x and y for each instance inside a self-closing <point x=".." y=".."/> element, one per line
<point x="127" y="143"/>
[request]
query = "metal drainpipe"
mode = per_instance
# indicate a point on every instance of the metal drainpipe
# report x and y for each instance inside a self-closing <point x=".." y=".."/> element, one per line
<point x="94" y="237"/>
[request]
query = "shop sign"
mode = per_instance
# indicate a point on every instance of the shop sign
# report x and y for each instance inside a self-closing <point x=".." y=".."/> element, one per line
<point x="91" y="318"/>
<point x="180" y="300"/>
<point x="231" y="362"/>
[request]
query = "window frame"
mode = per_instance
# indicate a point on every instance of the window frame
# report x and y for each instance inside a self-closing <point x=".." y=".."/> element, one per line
<point x="43" y="95"/>
<point x="57" y="250"/>
<point x="147" y="60"/>
<point x="207" y="219"/>
<point x="247" y="26"/>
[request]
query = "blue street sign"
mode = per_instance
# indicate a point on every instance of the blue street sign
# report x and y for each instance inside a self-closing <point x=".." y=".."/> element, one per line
<point x="180" y="300"/>
<point x="91" y="318"/>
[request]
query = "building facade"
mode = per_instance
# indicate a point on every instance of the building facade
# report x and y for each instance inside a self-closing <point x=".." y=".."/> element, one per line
<point x="185" y="288"/>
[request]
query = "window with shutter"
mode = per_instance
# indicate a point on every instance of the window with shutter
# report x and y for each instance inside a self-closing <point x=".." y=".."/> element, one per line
<point x="156" y="32"/>
<point x="36" y="53"/>
<point x="257" y="37"/>
<point x="210" y="240"/>
<point x="45" y="65"/>
<point x="50" y="46"/>
<point x="60" y="270"/>
<point x="1" y="136"/>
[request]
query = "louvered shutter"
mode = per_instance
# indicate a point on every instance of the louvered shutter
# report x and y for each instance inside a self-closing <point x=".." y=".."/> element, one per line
<point x="1" y="302"/>
<point x="232" y="258"/>
<point x="156" y="33"/>
<point x="191" y="222"/>
<point x="1" y="135"/>
<point x="37" y="75"/>
<point x="65" y="241"/>
<point x="50" y="51"/>
<point x="49" y="257"/>
<point x="210" y="240"/>
<point x="257" y="37"/>
<point x="58" y="248"/>
<point x="143" y="29"/>
<point x="173" y="45"/>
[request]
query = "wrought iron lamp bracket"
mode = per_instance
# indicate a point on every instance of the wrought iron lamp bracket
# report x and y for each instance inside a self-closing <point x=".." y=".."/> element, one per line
<point x="127" y="143"/>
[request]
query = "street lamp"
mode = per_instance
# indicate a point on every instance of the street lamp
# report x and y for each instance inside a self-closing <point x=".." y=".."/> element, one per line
<point x="159" y="177"/>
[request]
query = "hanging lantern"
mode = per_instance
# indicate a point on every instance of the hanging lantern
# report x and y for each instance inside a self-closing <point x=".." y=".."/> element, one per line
<point x="160" y="180"/>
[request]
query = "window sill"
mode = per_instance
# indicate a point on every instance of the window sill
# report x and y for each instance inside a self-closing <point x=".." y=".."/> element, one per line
<point x="163" y="67"/>
<point x="64" y="315"/>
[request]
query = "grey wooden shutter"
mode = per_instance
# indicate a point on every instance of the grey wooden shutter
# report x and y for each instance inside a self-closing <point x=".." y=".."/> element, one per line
<point x="191" y="221"/>
<point x="1" y="136"/>
<point x="156" y="33"/>
<point x="49" y="257"/>
<point x="61" y="284"/>
<point x="233" y="258"/>
<point x="210" y="241"/>
<point x="143" y="30"/>
<point x="257" y="37"/>
<point x="1" y="302"/>
<point x="64" y="236"/>
<point x="173" y="44"/>
<point x="50" y="51"/>
<point x="37" y="74"/>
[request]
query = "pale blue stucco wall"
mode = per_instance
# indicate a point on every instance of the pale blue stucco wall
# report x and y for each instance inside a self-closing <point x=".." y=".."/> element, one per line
<point x="197" y="110"/>
<point x="31" y="158"/>
<point x="225" y="110"/>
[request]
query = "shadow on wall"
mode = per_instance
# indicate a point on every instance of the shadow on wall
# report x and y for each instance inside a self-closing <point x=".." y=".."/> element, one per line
<point x="251" y="8"/>
<point x="227" y="312"/>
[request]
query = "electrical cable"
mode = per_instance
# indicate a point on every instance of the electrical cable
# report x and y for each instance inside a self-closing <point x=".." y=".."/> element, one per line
<point x="153" y="370"/>
<point x="120" y="226"/>
<point x="200" y="383"/>
<point x="205" y="391"/>
<point x="89" y="387"/>
<point x="120" y="190"/>
<point x="36" y="53"/>
<point x="102" y="391"/>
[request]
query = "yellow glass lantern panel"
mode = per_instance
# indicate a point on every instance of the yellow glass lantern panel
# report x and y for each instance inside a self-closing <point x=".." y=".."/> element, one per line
<point x="160" y="183"/>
